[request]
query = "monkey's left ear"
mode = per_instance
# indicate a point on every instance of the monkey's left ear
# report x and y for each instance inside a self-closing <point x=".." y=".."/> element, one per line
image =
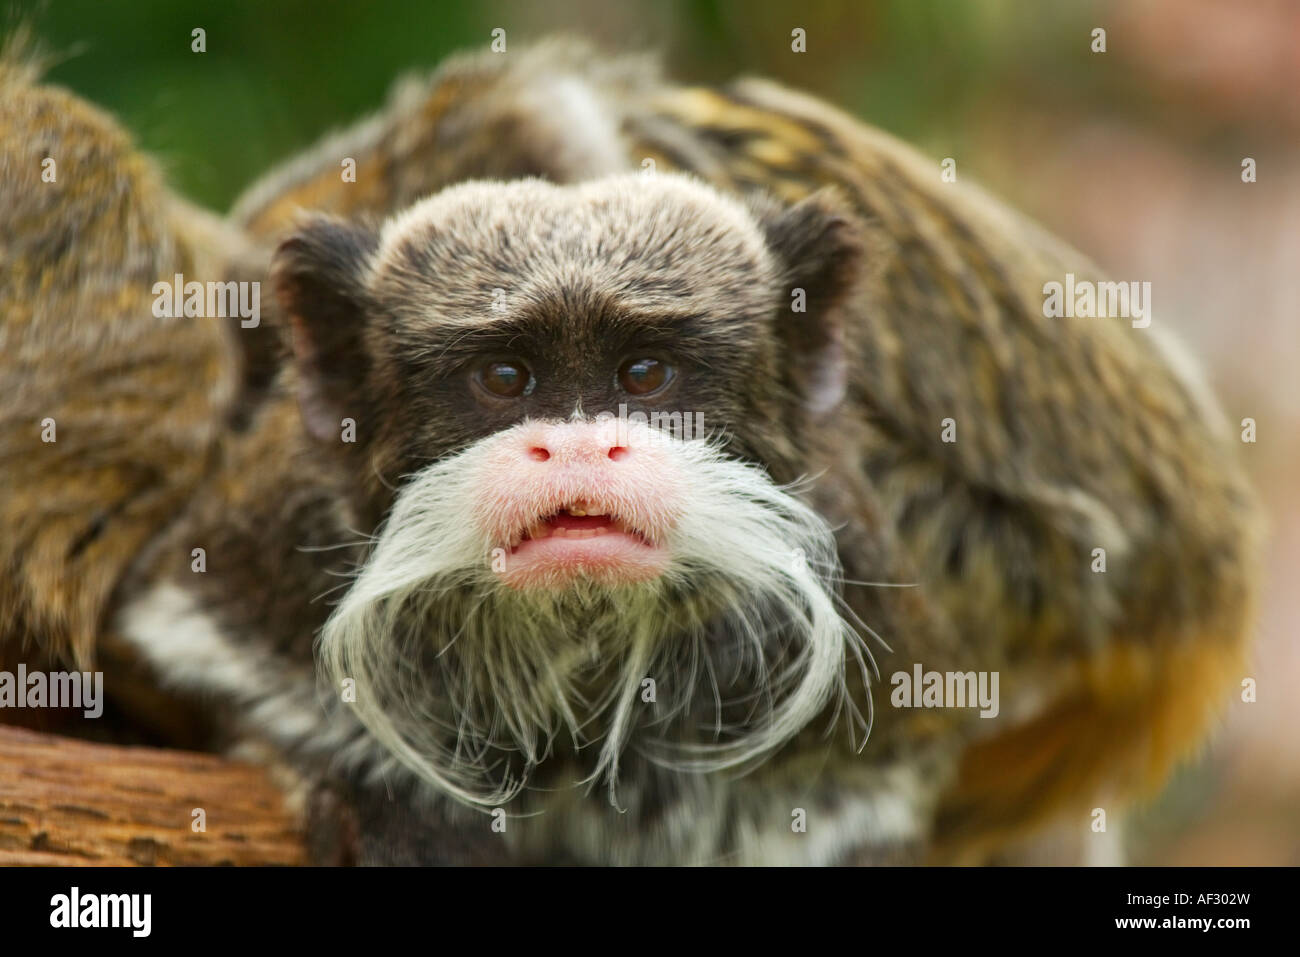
<point x="318" y="278"/>
<point x="820" y="244"/>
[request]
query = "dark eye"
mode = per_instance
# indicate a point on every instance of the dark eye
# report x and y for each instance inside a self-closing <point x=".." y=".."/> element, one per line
<point x="506" y="378"/>
<point x="643" y="376"/>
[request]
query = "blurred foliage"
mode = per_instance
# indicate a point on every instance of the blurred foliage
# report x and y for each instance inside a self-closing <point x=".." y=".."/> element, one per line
<point x="273" y="78"/>
<point x="277" y="75"/>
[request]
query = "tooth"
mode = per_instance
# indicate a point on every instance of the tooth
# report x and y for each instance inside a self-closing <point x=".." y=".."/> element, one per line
<point x="577" y="511"/>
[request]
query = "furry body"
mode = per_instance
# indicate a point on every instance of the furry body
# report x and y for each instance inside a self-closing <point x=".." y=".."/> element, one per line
<point x="924" y="302"/>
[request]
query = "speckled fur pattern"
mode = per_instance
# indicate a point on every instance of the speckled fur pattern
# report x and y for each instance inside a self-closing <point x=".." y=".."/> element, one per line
<point x="513" y="173"/>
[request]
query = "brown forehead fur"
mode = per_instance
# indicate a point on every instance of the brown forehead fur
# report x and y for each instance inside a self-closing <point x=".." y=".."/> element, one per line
<point x="657" y="246"/>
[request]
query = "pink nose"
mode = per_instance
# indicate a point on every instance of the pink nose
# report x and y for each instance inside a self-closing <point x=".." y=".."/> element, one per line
<point x="573" y="443"/>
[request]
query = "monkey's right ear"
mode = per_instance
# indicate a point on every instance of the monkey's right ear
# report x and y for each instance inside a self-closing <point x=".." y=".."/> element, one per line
<point x="318" y="278"/>
<point x="821" y="246"/>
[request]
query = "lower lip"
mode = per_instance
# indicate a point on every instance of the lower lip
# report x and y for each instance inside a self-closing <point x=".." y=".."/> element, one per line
<point x="610" y="557"/>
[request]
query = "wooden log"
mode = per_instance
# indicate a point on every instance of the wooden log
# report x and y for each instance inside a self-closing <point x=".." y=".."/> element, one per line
<point x="70" y="802"/>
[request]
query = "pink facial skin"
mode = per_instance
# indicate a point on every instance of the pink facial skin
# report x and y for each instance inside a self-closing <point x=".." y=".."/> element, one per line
<point x="567" y="501"/>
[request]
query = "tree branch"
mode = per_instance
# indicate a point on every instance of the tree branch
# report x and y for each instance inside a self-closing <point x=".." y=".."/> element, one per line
<point x="67" y="802"/>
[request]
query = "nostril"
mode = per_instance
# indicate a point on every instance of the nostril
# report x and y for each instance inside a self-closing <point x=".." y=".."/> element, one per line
<point x="618" y="452"/>
<point x="538" y="453"/>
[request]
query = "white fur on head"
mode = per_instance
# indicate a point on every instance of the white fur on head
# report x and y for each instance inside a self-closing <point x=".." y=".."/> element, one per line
<point x="467" y="681"/>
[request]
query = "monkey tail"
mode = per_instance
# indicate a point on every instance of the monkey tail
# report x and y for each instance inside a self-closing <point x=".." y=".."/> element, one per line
<point x="1128" y="718"/>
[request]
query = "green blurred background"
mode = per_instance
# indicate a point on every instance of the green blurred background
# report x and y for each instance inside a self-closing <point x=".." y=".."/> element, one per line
<point x="1133" y="154"/>
<point x="276" y="74"/>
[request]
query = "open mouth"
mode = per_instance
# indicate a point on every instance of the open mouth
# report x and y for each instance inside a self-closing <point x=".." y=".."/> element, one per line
<point x="580" y="521"/>
<point x="582" y="540"/>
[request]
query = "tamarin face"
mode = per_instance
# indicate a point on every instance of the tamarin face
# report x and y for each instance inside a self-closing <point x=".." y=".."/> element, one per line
<point x="547" y="549"/>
